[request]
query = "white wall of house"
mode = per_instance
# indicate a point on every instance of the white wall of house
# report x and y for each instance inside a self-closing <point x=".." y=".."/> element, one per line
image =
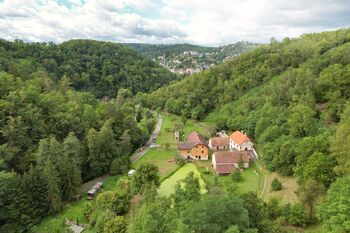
<point x="248" y="145"/>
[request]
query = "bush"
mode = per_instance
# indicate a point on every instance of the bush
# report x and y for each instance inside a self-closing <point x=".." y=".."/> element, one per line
<point x="296" y="215"/>
<point x="180" y="160"/>
<point x="119" y="166"/>
<point x="276" y="185"/>
<point x="236" y="176"/>
<point x="273" y="208"/>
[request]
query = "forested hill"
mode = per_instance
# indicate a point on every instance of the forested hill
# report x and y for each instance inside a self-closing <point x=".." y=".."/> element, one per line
<point x="155" y="50"/>
<point x="288" y="96"/>
<point x="99" y="67"/>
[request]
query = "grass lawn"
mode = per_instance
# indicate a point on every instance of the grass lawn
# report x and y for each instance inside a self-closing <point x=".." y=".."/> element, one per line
<point x="72" y="211"/>
<point x="287" y="194"/>
<point x="167" y="186"/>
<point x="163" y="158"/>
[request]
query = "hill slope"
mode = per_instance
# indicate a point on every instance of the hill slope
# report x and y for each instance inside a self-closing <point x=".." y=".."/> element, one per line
<point x="100" y="67"/>
<point x="287" y="96"/>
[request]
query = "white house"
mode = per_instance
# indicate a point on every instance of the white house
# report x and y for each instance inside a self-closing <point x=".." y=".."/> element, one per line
<point x="239" y="141"/>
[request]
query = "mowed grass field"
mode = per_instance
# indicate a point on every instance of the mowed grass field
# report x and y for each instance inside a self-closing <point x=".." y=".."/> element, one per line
<point x="165" y="158"/>
<point x="167" y="186"/>
<point x="73" y="211"/>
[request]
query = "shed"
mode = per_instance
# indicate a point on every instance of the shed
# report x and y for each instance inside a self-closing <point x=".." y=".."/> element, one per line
<point x="177" y="135"/>
<point x="91" y="193"/>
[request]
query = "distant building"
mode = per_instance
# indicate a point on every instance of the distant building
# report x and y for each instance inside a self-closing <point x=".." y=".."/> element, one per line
<point x="195" y="147"/>
<point x="225" y="162"/>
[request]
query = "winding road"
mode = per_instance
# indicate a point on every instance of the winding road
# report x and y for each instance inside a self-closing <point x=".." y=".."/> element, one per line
<point x="154" y="135"/>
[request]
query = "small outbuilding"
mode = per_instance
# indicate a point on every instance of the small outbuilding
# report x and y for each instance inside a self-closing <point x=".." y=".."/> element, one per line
<point x="92" y="192"/>
<point x="177" y="135"/>
<point x="219" y="143"/>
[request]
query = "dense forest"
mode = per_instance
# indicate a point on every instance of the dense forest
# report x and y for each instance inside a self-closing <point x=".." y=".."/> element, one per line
<point x="292" y="98"/>
<point x="99" y="67"/>
<point x="55" y="133"/>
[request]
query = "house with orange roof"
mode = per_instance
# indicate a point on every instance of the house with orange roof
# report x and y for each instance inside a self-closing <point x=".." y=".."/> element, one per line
<point x="240" y="141"/>
<point x="195" y="147"/>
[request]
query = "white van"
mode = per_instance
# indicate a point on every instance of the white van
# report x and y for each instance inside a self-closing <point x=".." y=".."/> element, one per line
<point x="131" y="172"/>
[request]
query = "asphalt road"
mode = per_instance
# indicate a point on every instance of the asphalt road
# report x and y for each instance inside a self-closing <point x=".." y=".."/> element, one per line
<point x="151" y="140"/>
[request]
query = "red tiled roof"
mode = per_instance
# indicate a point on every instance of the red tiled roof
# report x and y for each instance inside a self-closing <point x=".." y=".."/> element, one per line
<point x="220" y="141"/>
<point x="224" y="169"/>
<point x="230" y="157"/>
<point x="239" y="137"/>
<point x="196" y="138"/>
<point x="185" y="145"/>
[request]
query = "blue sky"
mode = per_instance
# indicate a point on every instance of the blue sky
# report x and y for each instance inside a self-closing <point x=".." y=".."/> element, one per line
<point x="204" y="22"/>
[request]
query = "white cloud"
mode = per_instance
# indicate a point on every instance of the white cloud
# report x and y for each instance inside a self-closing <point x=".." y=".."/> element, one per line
<point x="211" y="22"/>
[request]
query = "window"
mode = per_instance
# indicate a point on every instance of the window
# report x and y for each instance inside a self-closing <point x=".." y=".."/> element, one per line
<point x="202" y="147"/>
<point x="197" y="147"/>
<point x="202" y="151"/>
<point x="188" y="151"/>
<point x="196" y="156"/>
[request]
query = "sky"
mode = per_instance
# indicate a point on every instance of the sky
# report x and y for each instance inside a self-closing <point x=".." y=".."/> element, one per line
<point x="202" y="22"/>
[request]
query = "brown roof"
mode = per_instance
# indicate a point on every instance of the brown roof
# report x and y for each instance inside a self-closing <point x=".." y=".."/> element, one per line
<point x="230" y="157"/>
<point x="239" y="137"/>
<point x="220" y="141"/>
<point x="224" y="169"/>
<point x="196" y="138"/>
<point x="193" y="139"/>
<point x="185" y="145"/>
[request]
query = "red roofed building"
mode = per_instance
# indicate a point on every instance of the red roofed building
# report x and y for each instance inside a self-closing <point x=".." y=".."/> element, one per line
<point x="225" y="162"/>
<point x="219" y="143"/>
<point x="239" y="141"/>
<point x="196" y="147"/>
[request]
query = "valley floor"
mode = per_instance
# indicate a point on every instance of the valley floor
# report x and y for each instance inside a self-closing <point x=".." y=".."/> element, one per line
<point x="255" y="178"/>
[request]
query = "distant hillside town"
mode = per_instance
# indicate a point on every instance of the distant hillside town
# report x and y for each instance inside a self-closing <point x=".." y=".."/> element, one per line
<point x="189" y="59"/>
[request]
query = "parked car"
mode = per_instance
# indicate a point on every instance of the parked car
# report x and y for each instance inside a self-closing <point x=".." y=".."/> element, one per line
<point x="131" y="172"/>
<point x="153" y="146"/>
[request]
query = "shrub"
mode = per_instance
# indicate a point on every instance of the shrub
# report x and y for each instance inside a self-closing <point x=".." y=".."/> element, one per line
<point x="119" y="166"/>
<point x="180" y="160"/>
<point x="276" y="185"/>
<point x="296" y="215"/>
<point x="236" y="176"/>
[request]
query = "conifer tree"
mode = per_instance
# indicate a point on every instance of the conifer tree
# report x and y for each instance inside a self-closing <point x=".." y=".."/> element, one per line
<point x="53" y="187"/>
<point x="73" y="149"/>
<point x="70" y="178"/>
